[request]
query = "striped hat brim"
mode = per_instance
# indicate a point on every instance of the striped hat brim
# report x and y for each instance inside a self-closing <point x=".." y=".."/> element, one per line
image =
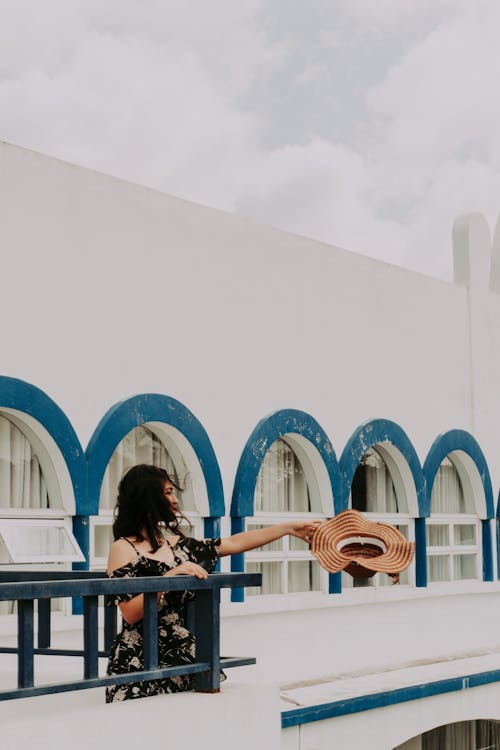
<point x="351" y="542"/>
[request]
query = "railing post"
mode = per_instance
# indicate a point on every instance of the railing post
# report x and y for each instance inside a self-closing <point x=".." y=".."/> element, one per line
<point x="43" y="623"/>
<point x="110" y="620"/>
<point x="207" y="634"/>
<point x="150" y="630"/>
<point x="90" y="637"/>
<point x="25" y="632"/>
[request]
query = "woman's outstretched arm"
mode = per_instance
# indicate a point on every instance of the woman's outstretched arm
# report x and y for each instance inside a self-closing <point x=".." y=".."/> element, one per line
<point x="247" y="540"/>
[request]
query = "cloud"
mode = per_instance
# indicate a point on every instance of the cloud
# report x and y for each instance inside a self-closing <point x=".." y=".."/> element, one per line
<point x="364" y="124"/>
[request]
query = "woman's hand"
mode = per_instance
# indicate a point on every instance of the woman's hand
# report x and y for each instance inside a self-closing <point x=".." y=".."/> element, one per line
<point x="304" y="530"/>
<point x="187" y="569"/>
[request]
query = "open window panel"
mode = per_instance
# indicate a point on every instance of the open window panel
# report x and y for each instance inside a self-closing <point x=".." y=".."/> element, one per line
<point x="34" y="544"/>
<point x="101" y="535"/>
<point x="405" y="525"/>
<point x="30" y="540"/>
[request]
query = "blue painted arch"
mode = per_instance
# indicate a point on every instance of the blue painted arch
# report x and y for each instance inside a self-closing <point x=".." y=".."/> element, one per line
<point x="443" y="445"/>
<point x="267" y="431"/>
<point x="139" y="410"/>
<point x="23" y="398"/>
<point x="370" y="434"/>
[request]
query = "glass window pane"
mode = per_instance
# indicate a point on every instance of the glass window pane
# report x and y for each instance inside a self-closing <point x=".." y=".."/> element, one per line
<point x="385" y="580"/>
<point x="39" y="542"/>
<point x="465" y="533"/>
<point x="297" y="544"/>
<point x="276" y="546"/>
<point x="447" y="492"/>
<point x="103" y="539"/>
<point x="464" y="567"/>
<point x="281" y="485"/>
<point x="372" y="489"/>
<point x="303" y="575"/>
<point x="22" y="484"/>
<point x="438" y="568"/>
<point x="438" y="535"/>
<point x="272" y="580"/>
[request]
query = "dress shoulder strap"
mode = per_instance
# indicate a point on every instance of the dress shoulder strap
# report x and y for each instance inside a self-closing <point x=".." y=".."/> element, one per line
<point x="131" y="544"/>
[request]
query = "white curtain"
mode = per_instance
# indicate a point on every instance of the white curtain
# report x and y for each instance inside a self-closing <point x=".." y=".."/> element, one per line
<point x="448" y="497"/>
<point x="140" y="446"/>
<point x="281" y="487"/>
<point x="22" y="484"/>
<point x="372" y="487"/>
<point x="447" y="492"/>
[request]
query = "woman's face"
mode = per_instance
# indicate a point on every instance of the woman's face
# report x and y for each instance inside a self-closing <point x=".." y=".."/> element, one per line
<point x="168" y="491"/>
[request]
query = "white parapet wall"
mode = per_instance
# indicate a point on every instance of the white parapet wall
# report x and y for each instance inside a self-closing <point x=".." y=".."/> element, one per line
<point x="241" y="716"/>
<point x="348" y="638"/>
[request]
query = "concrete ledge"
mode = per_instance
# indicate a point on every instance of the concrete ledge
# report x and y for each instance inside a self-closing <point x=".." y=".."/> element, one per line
<point x="359" y="693"/>
<point x="239" y="716"/>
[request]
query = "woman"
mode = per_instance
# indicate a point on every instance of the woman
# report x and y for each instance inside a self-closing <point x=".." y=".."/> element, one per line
<point x="148" y="542"/>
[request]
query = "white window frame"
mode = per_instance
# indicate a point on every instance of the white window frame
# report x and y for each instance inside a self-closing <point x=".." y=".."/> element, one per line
<point x="61" y="523"/>
<point x="285" y="555"/>
<point x="451" y="549"/>
<point x="321" y="500"/>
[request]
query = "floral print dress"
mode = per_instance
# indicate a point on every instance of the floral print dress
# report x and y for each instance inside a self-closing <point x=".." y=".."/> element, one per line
<point x="175" y="643"/>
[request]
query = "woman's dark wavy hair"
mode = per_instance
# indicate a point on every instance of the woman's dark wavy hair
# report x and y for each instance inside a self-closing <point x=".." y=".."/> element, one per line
<point x="141" y="507"/>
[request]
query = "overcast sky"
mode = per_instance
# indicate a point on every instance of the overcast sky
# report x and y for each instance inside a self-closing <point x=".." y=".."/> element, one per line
<point x="368" y="124"/>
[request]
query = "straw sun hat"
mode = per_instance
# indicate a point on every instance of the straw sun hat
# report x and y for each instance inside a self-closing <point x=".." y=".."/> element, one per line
<point x="360" y="547"/>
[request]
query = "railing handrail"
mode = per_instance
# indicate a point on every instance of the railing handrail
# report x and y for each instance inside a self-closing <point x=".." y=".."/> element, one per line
<point x="204" y="616"/>
<point x="22" y="590"/>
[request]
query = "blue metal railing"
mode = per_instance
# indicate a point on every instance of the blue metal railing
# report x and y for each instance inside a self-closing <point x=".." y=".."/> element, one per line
<point x="203" y="621"/>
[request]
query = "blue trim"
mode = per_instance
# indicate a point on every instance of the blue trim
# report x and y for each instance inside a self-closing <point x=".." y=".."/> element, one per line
<point x="81" y="531"/>
<point x="211" y="530"/>
<point x="498" y="545"/>
<point x="268" y="430"/>
<point x="335" y="583"/>
<point x="297" y="716"/>
<point x="27" y="398"/>
<point x="487" y="544"/>
<point x="443" y="445"/>
<point x="366" y="436"/>
<point x="420" y="553"/>
<point x="237" y="561"/>
<point x="135" y="411"/>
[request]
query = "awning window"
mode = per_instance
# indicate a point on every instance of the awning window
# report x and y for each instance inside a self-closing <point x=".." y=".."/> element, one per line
<point x="39" y="541"/>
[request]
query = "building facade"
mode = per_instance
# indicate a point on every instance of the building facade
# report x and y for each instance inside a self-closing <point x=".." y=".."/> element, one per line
<point x="274" y="377"/>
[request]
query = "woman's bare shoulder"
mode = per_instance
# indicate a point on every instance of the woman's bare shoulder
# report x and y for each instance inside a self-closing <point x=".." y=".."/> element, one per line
<point x="121" y="553"/>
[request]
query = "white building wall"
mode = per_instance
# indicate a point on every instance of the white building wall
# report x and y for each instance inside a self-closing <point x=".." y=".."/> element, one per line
<point x="133" y="291"/>
<point x="376" y="632"/>
<point x="111" y="289"/>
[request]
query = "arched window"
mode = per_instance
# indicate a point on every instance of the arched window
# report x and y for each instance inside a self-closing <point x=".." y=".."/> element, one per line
<point x="142" y="445"/>
<point x="480" y="734"/>
<point x="282" y="492"/>
<point x="377" y="491"/>
<point x="35" y="528"/>
<point x="453" y="552"/>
